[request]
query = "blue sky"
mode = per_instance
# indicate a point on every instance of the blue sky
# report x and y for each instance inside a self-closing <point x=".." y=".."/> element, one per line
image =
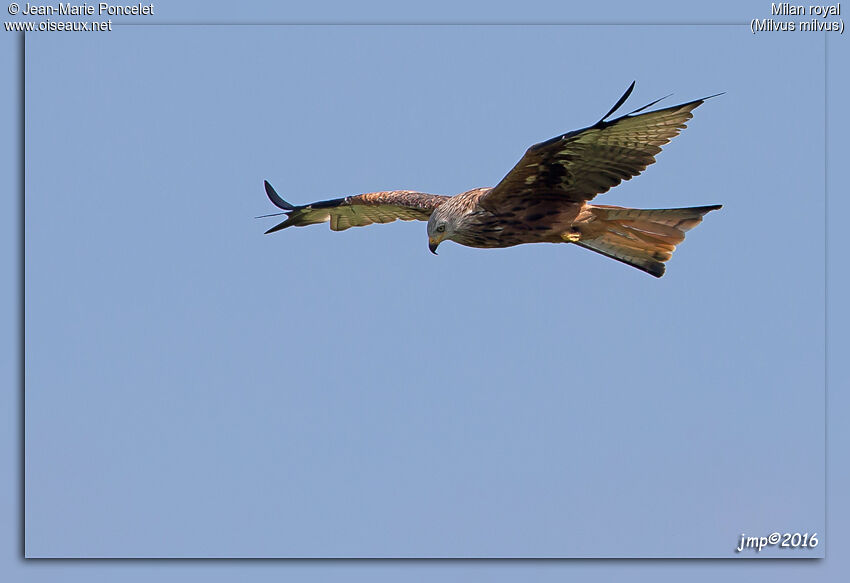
<point x="195" y="388"/>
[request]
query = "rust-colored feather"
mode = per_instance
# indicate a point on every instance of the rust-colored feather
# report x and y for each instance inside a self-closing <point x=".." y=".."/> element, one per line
<point x="641" y="238"/>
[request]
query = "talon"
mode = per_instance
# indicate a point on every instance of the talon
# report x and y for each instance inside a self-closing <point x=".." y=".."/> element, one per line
<point x="571" y="236"/>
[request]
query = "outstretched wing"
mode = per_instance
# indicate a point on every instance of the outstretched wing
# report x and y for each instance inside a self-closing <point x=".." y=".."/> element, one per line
<point x="576" y="166"/>
<point x="358" y="211"/>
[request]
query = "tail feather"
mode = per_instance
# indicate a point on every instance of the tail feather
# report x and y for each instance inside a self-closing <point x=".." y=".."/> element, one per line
<point x="644" y="239"/>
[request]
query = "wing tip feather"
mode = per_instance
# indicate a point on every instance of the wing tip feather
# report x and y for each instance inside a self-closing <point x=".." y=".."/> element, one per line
<point x="276" y="199"/>
<point x="278" y="227"/>
<point x="619" y="103"/>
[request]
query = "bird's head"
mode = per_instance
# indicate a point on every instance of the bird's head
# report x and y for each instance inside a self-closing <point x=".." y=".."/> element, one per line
<point x="440" y="227"/>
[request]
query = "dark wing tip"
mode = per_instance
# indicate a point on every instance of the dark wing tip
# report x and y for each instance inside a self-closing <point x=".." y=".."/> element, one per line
<point x="692" y="104"/>
<point x="276" y="198"/>
<point x="650" y="104"/>
<point x="619" y="103"/>
<point x="696" y="102"/>
<point x="278" y="227"/>
<point x="704" y="210"/>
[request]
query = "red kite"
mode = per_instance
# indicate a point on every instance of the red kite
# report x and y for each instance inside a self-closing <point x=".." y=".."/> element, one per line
<point x="544" y="198"/>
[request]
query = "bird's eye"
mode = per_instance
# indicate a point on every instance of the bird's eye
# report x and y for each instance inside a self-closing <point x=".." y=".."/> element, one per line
<point x="440" y="229"/>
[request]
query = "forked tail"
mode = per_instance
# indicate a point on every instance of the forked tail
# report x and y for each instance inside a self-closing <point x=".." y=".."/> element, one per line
<point x="641" y="238"/>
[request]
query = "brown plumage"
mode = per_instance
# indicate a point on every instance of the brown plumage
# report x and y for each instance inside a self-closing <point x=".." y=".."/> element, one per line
<point x="544" y="198"/>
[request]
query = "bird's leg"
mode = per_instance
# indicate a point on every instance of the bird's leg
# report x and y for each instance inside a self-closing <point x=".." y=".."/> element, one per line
<point x="571" y="235"/>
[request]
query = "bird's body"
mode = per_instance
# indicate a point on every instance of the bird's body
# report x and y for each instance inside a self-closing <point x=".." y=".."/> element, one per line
<point x="478" y="226"/>
<point x="544" y="199"/>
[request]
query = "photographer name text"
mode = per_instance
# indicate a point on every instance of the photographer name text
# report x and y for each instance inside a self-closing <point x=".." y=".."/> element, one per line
<point x="86" y="9"/>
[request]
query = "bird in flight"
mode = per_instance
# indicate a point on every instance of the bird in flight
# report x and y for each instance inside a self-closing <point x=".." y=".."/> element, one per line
<point x="544" y="198"/>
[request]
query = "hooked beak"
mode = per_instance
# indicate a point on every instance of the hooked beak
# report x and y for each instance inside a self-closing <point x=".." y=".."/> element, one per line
<point x="433" y="243"/>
